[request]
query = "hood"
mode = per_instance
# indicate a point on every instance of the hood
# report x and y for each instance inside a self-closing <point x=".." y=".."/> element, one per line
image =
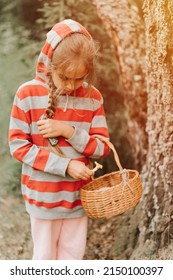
<point x="58" y="32"/>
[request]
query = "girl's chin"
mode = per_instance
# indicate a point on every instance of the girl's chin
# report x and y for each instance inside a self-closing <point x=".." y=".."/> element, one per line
<point x="68" y="92"/>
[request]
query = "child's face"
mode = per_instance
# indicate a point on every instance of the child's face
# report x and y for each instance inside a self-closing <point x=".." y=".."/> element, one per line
<point x="69" y="81"/>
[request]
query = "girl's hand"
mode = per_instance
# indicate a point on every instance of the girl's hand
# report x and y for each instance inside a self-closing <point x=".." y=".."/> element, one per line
<point x="53" y="128"/>
<point x="78" y="170"/>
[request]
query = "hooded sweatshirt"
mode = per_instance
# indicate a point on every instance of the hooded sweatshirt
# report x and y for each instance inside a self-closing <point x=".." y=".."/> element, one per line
<point x="49" y="192"/>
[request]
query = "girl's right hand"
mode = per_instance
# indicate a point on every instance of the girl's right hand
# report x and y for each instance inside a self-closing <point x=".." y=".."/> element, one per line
<point x="78" y="170"/>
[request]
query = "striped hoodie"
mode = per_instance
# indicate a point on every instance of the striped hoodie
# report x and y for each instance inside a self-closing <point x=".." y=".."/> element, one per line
<point x="49" y="192"/>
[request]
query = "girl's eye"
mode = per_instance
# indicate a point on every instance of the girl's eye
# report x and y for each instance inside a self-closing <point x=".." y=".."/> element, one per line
<point x="80" y="79"/>
<point x="63" y="78"/>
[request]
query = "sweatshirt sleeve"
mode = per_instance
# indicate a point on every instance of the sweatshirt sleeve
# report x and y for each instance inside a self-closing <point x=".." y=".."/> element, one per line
<point x="22" y="148"/>
<point x="87" y="143"/>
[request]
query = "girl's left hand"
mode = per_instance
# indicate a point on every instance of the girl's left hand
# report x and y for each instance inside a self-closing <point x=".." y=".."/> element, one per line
<point x="50" y="128"/>
<point x="54" y="128"/>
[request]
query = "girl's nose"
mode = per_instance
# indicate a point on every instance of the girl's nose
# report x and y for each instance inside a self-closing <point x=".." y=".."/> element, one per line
<point x="70" y="85"/>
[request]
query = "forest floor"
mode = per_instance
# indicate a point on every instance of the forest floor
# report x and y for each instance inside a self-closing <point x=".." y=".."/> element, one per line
<point x="15" y="236"/>
<point x="16" y="242"/>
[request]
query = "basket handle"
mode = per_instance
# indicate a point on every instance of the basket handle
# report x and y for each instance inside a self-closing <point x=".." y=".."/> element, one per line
<point x="111" y="146"/>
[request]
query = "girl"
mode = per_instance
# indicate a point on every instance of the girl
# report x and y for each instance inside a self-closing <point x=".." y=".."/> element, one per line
<point x="55" y="121"/>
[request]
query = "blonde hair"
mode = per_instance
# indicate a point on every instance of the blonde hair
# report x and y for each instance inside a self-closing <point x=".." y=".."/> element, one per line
<point x="74" y="50"/>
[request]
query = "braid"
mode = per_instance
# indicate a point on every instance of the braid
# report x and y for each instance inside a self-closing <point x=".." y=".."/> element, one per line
<point x="52" y="102"/>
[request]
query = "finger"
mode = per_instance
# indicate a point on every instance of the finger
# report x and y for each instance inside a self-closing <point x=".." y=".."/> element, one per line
<point x="46" y="136"/>
<point x="44" y="132"/>
<point x="84" y="178"/>
<point x="41" y="122"/>
<point x="89" y="172"/>
<point x="42" y="128"/>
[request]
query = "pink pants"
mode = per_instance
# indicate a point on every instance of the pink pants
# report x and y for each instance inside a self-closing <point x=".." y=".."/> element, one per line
<point x="61" y="239"/>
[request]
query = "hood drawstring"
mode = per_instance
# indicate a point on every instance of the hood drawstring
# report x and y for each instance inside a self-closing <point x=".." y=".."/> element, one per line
<point x="66" y="104"/>
<point x="60" y="92"/>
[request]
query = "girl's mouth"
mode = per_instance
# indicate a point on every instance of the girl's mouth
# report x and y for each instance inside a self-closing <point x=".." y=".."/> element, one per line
<point x="67" y="92"/>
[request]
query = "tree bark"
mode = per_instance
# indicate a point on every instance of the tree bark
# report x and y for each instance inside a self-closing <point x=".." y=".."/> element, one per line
<point x="159" y="165"/>
<point x="147" y="77"/>
<point x="125" y="27"/>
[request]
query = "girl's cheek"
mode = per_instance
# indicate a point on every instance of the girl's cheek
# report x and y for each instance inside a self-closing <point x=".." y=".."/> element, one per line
<point x="78" y="84"/>
<point x="58" y="84"/>
<point x="57" y="81"/>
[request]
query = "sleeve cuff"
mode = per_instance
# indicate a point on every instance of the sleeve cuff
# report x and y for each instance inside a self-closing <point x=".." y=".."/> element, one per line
<point x="79" y="139"/>
<point x="57" y="165"/>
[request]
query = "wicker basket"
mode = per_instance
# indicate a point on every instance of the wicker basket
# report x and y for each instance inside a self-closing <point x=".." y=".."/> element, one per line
<point x="111" y="194"/>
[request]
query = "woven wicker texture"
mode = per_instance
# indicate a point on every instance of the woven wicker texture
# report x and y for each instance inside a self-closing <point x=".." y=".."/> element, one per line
<point x="111" y="194"/>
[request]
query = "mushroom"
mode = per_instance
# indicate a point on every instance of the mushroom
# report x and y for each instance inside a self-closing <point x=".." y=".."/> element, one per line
<point x="98" y="166"/>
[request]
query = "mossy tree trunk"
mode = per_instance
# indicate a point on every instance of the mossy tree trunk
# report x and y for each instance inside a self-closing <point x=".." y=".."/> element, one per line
<point x="144" y="50"/>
